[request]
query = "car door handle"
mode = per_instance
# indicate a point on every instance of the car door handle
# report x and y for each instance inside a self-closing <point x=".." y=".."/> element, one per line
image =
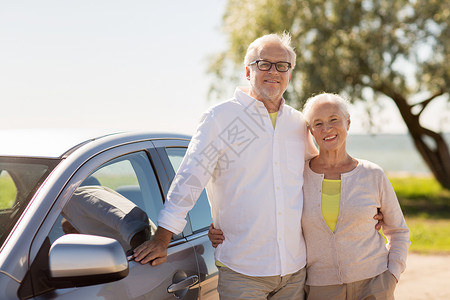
<point x="183" y="284"/>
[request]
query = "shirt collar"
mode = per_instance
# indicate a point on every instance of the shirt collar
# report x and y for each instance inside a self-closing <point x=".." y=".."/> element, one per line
<point x="242" y="96"/>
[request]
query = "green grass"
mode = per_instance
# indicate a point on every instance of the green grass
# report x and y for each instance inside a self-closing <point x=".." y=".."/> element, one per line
<point x="113" y="182"/>
<point x="429" y="236"/>
<point x="422" y="197"/>
<point x="7" y="192"/>
<point x="426" y="206"/>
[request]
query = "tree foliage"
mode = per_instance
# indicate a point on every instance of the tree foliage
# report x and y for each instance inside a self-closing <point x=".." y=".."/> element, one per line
<point x="362" y="49"/>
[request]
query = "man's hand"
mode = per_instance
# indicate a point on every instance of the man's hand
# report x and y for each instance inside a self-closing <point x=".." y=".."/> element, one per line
<point x="154" y="250"/>
<point x="215" y="236"/>
<point x="379" y="218"/>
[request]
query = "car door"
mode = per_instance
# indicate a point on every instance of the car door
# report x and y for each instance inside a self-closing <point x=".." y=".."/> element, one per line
<point x="199" y="219"/>
<point x="135" y="174"/>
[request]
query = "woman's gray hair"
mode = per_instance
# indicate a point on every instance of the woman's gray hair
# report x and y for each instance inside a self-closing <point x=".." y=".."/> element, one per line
<point x="335" y="98"/>
<point x="255" y="47"/>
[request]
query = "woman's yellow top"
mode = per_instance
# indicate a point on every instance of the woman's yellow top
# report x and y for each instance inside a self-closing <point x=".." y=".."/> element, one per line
<point x="331" y="198"/>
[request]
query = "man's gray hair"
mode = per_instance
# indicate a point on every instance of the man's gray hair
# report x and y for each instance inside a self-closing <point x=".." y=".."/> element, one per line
<point x="255" y="47"/>
<point x="335" y="98"/>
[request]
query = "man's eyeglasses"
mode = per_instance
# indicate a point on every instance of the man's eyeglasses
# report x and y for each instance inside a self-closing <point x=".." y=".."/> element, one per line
<point x="264" y="65"/>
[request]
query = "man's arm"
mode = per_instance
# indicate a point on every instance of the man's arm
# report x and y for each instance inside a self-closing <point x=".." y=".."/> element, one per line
<point x="216" y="236"/>
<point x="379" y="218"/>
<point x="194" y="172"/>
<point x="154" y="250"/>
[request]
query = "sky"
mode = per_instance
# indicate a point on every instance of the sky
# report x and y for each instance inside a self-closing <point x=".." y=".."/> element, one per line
<point x="122" y="65"/>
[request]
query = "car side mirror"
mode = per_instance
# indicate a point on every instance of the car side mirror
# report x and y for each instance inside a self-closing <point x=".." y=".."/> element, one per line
<point x="80" y="260"/>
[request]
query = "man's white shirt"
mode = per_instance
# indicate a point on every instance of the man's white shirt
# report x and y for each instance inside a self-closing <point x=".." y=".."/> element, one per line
<point x="253" y="176"/>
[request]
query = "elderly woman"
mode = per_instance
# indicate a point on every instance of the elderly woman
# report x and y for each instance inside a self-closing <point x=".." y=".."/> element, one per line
<point x="346" y="258"/>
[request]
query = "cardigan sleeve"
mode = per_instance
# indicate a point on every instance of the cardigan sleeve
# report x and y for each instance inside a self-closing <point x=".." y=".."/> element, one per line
<point x="394" y="228"/>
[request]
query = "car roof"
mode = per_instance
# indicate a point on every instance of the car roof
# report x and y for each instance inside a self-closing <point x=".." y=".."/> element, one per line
<point x="55" y="143"/>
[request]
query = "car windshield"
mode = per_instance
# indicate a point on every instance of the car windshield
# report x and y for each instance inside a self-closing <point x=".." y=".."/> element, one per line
<point x="20" y="178"/>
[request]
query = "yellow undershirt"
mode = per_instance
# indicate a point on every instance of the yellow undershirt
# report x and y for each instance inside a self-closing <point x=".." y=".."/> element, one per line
<point x="219" y="264"/>
<point x="273" y="118"/>
<point x="331" y="198"/>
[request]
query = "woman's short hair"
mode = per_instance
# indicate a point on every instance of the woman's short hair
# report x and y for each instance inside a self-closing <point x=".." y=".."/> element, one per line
<point x="255" y="47"/>
<point x="341" y="102"/>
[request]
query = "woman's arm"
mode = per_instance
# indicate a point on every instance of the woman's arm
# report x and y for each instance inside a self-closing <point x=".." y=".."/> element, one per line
<point x="394" y="228"/>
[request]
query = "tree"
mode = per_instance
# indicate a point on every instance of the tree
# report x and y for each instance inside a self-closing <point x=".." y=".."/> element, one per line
<point x="362" y="49"/>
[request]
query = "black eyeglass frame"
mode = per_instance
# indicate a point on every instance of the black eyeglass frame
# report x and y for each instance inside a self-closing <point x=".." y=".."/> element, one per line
<point x="271" y="64"/>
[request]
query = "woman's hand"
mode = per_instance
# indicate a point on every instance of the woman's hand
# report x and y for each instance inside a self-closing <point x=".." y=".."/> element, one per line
<point x="215" y="236"/>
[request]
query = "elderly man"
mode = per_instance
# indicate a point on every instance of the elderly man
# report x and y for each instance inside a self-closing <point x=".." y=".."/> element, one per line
<point x="249" y="152"/>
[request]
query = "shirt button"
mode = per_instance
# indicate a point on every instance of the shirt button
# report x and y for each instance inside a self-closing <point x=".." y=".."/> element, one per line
<point x="278" y="187"/>
<point x="279" y="213"/>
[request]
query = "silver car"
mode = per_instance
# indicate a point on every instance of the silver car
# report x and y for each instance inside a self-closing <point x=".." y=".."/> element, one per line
<point x="72" y="208"/>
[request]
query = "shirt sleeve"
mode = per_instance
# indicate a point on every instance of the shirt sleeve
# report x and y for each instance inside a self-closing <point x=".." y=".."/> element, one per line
<point x="195" y="171"/>
<point x="394" y="228"/>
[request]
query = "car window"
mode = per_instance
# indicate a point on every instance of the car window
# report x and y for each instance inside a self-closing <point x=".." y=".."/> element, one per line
<point x="8" y="190"/>
<point x="200" y="215"/>
<point x="120" y="199"/>
<point x="20" y="178"/>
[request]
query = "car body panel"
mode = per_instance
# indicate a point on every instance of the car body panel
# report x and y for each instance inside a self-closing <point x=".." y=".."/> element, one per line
<point x="207" y="266"/>
<point x="141" y="279"/>
<point x="188" y="253"/>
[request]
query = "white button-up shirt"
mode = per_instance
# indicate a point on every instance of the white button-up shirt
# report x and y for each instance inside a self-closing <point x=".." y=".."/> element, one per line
<point x="253" y="175"/>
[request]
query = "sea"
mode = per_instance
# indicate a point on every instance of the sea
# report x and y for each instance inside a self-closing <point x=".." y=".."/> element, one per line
<point x="395" y="153"/>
